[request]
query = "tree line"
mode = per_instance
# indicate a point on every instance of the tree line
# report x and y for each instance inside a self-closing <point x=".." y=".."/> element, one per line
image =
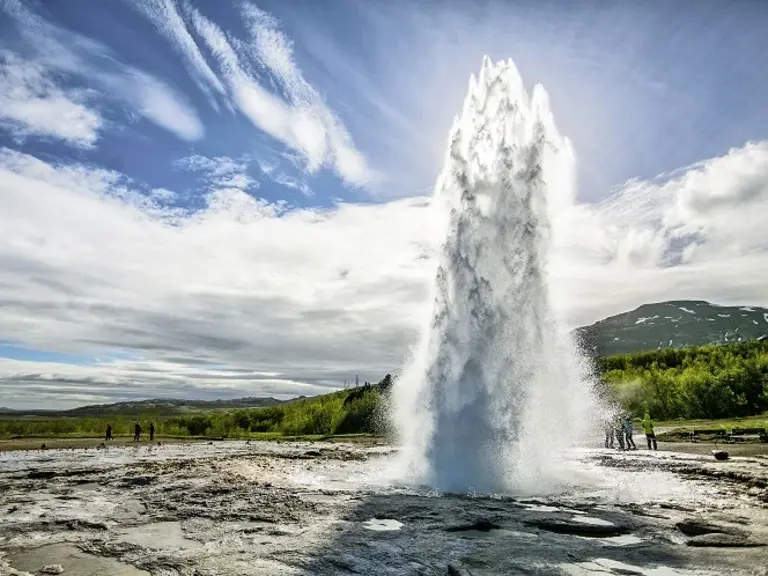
<point x="698" y="382"/>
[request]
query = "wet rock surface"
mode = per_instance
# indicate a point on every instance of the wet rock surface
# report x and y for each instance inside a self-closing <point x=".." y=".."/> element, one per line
<point x="258" y="508"/>
<point x="719" y="540"/>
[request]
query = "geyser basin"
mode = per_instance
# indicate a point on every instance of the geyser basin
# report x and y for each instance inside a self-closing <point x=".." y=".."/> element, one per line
<point x="495" y="388"/>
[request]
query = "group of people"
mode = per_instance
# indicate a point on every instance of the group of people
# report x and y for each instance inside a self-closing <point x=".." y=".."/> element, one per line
<point x="136" y="432"/>
<point x="621" y="429"/>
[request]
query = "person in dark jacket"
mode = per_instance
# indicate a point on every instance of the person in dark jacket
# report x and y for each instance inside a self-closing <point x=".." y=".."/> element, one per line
<point x="151" y="431"/>
<point x="109" y="433"/>
<point x="628" y="430"/>
<point x="137" y="433"/>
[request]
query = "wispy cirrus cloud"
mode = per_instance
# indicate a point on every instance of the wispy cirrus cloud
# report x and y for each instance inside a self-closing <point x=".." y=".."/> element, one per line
<point x="299" y="118"/>
<point x="220" y="171"/>
<point x="165" y="16"/>
<point x="272" y="49"/>
<point x="31" y="104"/>
<point x="57" y="51"/>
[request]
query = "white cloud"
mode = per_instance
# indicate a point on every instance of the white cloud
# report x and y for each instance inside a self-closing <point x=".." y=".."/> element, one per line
<point x="295" y="183"/>
<point x="315" y="296"/>
<point x="305" y="294"/>
<point x="698" y="233"/>
<point x="36" y="383"/>
<point x="302" y="120"/>
<point x="164" y="14"/>
<point x="61" y="51"/>
<point x="32" y="105"/>
<point x="156" y="101"/>
<point x="220" y="171"/>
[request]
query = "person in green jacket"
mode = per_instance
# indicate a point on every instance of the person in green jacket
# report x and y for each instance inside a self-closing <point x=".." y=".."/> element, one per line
<point x="650" y="436"/>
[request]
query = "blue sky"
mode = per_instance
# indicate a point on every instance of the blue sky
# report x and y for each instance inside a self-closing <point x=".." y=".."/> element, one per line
<point x="322" y="122"/>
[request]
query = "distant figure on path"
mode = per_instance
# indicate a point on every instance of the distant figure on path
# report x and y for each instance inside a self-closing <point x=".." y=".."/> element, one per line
<point x="608" y="433"/>
<point x="650" y="436"/>
<point x="628" y="430"/>
<point x="137" y="433"/>
<point x="109" y="433"/>
<point x="151" y="431"/>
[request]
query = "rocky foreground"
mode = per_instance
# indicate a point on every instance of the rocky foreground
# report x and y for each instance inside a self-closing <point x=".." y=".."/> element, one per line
<point x="279" y="508"/>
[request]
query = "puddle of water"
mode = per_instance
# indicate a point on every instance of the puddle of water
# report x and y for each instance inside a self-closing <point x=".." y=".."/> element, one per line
<point x="158" y="536"/>
<point x="623" y="540"/>
<point x="382" y="525"/>
<point x="72" y="560"/>
<point x="542" y="508"/>
<point x="591" y="520"/>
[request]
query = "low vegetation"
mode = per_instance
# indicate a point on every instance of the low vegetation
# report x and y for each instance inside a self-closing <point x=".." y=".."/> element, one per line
<point x="356" y="411"/>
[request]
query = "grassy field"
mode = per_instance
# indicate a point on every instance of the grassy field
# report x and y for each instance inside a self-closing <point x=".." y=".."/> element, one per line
<point x="727" y="423"/>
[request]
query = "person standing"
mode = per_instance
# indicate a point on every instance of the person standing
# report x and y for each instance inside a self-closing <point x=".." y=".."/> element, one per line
<point x="618" y="425"/>
<point x="608" y="433"/>
<point x="137" y="432"/>
<point x="650" y="435"/>
<point x="628" y="430"/>
<point x="108" y="437"/>
<point x="151" y="431"/>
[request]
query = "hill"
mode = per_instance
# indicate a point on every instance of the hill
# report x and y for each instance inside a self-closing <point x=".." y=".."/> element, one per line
<point x="673" y="324"/>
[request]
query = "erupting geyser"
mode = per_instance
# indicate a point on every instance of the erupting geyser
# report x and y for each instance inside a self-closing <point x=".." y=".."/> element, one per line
<point x="495" y="390"/>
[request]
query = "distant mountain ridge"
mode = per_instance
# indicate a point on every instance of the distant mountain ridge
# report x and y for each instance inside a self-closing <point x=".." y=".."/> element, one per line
<point x="153" y="406"/>
<point x="674" y="324"/>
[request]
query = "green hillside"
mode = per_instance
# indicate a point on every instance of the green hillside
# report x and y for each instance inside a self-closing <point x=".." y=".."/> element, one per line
<point x="674" y="324"/>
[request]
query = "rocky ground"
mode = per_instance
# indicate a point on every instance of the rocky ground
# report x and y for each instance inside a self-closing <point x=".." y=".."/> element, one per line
<point x="298" y="508"/>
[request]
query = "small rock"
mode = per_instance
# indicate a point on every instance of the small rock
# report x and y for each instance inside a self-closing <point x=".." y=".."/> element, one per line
<point x="53" y="569"/>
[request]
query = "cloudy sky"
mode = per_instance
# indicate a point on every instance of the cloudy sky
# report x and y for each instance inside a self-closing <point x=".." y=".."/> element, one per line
<point x="218" y="199"/>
